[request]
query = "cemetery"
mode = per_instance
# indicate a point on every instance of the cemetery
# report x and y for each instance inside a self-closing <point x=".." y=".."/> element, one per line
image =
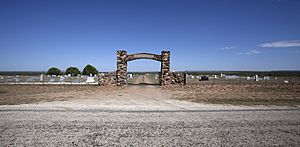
<point x="207" y="87"/>
<point x="91" y="76"/>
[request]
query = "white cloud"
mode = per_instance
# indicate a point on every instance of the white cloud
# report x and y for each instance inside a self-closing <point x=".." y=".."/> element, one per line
<point x="282" y="43"/>
<point x="251" y="52"/>
<point x="227" y="48"/>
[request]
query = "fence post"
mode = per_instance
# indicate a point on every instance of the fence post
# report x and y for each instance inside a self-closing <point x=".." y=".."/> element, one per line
<point x="184" y="77"/>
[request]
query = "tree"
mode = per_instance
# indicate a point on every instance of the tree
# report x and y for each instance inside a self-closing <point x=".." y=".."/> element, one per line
<point x="89" y="69"/>
<point x="53" y="71"/>
<point x="74" y="71"/>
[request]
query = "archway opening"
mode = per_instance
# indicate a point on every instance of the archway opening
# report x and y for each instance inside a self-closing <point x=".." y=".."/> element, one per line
<point x="143" y="72"/>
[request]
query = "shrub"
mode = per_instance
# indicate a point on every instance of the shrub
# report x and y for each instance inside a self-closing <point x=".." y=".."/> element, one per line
<point x="89" y="69"/>
<point x="53" y="71"/>
<point x="74" y="71"/>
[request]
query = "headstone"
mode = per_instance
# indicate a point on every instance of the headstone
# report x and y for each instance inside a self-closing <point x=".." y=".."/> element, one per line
<point x="222" y="75"/>
<point x="61" y="79"/>
<point x="129" y="76"/>
<point x="41" y="77"/>
<point x="256" y="78"/>
<point x="90" y="80"/>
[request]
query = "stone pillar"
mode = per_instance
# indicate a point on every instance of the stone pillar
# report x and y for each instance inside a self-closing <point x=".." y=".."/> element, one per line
<point x="121" y="68"/>
<point x="165" y="68"/>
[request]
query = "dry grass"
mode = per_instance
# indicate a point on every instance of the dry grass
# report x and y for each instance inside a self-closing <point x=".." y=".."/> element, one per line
<point x="24" y="94"/>
<point x="239" y="94"/>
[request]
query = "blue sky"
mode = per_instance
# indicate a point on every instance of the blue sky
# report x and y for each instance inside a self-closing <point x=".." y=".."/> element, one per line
<point x="201" y="34"/>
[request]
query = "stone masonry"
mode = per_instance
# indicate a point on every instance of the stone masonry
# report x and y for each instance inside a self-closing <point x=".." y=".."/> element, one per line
<point x="121" y="67"/>
<point x="165" y="68"/>
<point x="166" y="77"/>
<point x="107" y="78"/>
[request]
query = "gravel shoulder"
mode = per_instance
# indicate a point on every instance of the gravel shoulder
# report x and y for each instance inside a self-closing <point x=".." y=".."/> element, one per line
<point x="93" y="128"/>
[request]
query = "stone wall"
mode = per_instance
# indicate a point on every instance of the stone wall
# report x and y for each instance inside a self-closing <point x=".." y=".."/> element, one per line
<point x="166" y="77"/>
<point x="178" y="78"/>
<point x="107" y="78"/>
<point x="110" y="78"/>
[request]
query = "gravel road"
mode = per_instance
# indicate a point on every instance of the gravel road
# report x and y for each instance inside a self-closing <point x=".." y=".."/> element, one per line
<point x="146" y="128"/>
<point x="146" y="116"/>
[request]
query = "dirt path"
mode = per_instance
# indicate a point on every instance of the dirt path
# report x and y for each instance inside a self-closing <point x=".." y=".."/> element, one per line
<point x="143" y="79"/>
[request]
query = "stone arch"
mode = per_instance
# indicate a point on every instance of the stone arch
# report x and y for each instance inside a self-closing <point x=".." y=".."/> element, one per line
<point x="123" y="58"/>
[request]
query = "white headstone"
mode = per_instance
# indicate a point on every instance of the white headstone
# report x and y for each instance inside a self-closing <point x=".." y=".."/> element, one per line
<point x="41" y="77"/>
<point x="61" y="79"/>
<point x="222" y="75"/>
<point x="256" y="78"/>
<point x="90" y="80"/>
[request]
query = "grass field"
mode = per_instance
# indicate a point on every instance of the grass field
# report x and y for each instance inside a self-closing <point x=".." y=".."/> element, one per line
<point x="239" y="94"/>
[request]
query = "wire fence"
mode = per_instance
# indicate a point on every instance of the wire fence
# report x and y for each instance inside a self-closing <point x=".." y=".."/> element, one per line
<point x="232" y="79"/>
<point x="190" y="79"/>
<point x="47" y="79"/>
